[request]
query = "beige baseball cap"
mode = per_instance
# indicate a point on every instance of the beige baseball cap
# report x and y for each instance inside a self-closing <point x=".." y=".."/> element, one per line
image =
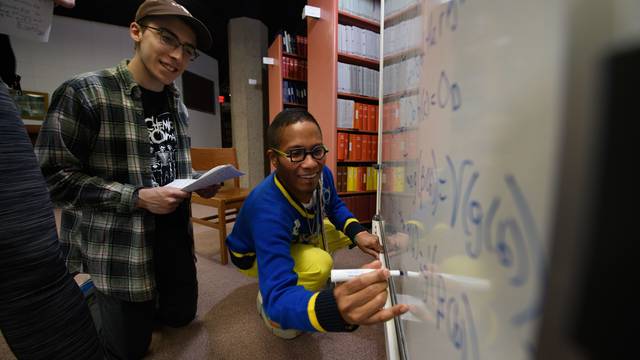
<point x="172" y="8"/>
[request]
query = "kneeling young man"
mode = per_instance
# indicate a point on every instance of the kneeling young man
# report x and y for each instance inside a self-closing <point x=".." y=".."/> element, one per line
<point x="280" y="236"/>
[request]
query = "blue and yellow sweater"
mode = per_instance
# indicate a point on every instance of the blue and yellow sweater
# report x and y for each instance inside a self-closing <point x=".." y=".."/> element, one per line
<point x="270" y="221"/>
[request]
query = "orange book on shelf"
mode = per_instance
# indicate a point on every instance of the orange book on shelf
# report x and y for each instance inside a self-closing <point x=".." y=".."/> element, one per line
<point x="357" y="115"/>
<point x="366" y="117"/>
<point x="374" y="121"/>
<point x="345" y="153"/>
<point x="374" y="148"/>
<point x="357" y="147"/>
<point x="366" y="148"/>
<point x="350" y="147"/>
<point x="342" y="144"/>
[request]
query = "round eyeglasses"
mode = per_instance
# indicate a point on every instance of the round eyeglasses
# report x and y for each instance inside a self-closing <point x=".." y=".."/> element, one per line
<point x="296" y="155"/>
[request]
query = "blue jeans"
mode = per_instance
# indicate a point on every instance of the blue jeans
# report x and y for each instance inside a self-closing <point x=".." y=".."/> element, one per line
<point x="43" y="314"/>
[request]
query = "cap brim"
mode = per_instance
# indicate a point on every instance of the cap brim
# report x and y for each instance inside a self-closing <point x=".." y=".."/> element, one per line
<point x="203" y="36"/>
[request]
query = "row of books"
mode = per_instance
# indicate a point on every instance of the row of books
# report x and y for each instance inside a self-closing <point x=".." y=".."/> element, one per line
<point x="358" y="41"/>
<point x="294" y="44"/>
<point x="399" y="147"/>
<point x="356" y="178"/>
<point x="403" y="36"/>
<point x="294" y="92"/>
<point x="295" y="69"/>
<point x="395" y="6"/>
<point x="402" y="113"/>
<point x="358" y="147"/>
<point x="362" y="207"/>
<point x="369" y="9"/>
<point x="401" y="76"/>
<point x="357" y="115"/>
<point x="358" y="80"/>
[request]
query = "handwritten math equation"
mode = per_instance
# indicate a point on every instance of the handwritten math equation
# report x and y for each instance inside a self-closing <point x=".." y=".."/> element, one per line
<point x="499" y="229"/>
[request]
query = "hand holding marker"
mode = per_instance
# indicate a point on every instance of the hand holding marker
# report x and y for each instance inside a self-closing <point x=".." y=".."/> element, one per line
<point x="348" y="274"/>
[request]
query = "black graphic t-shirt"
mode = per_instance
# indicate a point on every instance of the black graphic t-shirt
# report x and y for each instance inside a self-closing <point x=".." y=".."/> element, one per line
<point x="173" y="227"/>
<point x="162" y="136"/>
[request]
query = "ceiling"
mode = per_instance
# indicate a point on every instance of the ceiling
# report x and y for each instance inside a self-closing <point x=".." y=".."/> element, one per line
<point x="277" y="15"/>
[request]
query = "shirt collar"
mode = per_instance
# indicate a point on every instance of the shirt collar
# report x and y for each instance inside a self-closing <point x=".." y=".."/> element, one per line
<point x="132" y="88"/>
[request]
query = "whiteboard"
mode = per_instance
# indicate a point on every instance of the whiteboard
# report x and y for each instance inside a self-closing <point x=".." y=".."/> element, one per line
<point x="471" y="136"/>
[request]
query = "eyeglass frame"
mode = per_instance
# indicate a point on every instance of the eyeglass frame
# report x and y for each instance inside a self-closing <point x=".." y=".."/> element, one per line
<point x="174" y="37"/>
<point x="306" y="152"/>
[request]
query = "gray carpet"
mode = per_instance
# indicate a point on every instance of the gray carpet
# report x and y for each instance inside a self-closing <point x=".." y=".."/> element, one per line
<point x="228" y="326"/>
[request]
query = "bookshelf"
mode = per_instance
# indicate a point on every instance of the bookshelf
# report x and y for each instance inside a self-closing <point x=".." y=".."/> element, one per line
<point x="330" y="102"/>
<point x="287" y="72"/>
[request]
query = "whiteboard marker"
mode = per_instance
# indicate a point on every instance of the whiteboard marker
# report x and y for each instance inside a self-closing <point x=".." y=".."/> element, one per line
<point x="348" y="274"/>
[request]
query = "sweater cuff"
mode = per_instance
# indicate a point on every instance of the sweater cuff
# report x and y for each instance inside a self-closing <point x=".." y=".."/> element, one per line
<point x="328" y="314"/>
<point x="352" y="229"/>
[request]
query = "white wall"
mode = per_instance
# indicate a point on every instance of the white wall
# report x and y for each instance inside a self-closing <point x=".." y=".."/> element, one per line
<point x="625" y="22"/>
<point x="78" y="46"/>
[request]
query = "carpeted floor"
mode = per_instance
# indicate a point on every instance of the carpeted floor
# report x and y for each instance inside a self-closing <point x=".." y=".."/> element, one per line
<point x="228" y="326"/>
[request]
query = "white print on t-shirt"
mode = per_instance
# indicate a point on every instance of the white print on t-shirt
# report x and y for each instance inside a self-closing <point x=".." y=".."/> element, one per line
<point x="162" y="136"/>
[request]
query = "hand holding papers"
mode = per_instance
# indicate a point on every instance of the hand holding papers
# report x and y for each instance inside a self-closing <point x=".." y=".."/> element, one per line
<point x="214" y="176"/>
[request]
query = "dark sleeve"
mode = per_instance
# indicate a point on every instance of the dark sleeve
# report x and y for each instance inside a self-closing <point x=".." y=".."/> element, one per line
<point x="7" y="61"/>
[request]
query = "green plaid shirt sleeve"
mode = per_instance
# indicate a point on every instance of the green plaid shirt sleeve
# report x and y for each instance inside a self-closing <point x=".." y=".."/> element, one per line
<point x="75" y="175"/>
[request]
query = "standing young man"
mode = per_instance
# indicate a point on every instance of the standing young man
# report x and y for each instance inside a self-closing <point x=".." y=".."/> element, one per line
<point x="111" y="140"/>
<point x="280" y="236"/>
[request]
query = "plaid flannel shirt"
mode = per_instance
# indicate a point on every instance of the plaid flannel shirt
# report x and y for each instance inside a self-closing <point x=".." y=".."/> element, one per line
<point x="93" y="150"/>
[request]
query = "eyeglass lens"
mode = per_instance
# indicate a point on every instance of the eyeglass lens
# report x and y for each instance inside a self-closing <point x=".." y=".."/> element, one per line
<point x="171" y="41"/>
<point x="318" y="153"/>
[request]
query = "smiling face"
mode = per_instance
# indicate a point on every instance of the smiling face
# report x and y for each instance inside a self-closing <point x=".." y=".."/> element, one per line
<point x="156" y="64"/>
<point x="300" y="178"/>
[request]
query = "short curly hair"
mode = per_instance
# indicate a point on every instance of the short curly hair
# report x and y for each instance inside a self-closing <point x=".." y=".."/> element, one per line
<point x="285" y="118"/>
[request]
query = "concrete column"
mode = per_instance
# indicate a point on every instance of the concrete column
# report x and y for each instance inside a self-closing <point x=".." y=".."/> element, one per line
<point x="247" y="46"/>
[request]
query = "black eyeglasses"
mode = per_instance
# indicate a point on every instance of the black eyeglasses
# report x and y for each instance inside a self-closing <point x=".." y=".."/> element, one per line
<point x="318" y="152"/>
<point x="171" y="40"/>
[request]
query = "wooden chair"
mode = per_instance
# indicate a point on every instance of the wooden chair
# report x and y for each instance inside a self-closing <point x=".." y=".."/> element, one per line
<point x="229" y="198"/>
